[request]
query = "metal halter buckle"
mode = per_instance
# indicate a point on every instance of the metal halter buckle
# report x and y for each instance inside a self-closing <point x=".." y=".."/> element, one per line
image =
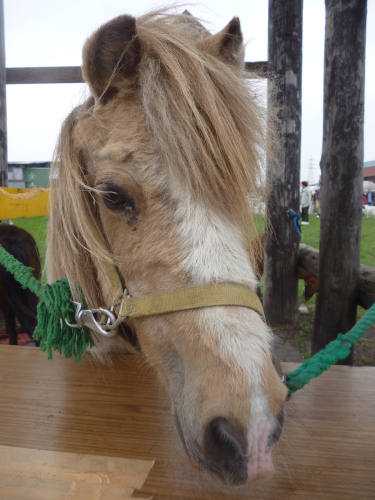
<point x="90" y="319"/>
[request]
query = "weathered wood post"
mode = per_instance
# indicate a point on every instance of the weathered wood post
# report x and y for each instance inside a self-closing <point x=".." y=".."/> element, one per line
<point x="281" y="243"/>
<point x="3" y="115"/>
<point x="342" y="170"/>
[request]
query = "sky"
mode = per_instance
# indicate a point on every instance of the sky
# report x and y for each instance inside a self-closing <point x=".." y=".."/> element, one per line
<point x="52" y="32"/>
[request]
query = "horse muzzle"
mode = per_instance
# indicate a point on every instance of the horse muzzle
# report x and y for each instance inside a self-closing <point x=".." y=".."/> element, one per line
<point x="224" y="452"/>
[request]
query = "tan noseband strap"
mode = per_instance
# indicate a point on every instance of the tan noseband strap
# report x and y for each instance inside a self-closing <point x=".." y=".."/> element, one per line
<point x="223" y="294"/>
<point x="190" y="298"/>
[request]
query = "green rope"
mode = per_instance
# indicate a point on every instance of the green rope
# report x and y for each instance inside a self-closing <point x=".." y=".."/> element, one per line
<point x="336" y="350"/>
<point x="54" y="306"/>
<point x="54" y="334"/>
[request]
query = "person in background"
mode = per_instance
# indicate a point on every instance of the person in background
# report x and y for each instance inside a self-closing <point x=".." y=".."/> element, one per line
<point x="370" y="198"/>
<point x="364" y="202"/>
<point x="318" y="197"/>
<point x="305" y="203"/>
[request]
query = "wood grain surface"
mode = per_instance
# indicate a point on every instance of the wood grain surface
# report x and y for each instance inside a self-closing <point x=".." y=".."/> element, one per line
<point x="39" y="474"/>
<point x="327" y="449"/>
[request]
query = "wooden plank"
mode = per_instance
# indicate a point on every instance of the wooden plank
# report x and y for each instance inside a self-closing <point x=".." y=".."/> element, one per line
<point x="258" y="67"/>
<point x="27" y="473"/>
<point x="119" y="410"/>
<point x="309" y="260"/>
<point x="73" y="74"/>
<point x="67" y="74"/>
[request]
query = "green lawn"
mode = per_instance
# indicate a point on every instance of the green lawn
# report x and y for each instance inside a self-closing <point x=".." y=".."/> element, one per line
<point x="37" y="226"/>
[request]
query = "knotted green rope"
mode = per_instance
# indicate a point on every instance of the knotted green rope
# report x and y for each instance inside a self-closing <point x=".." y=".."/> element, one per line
<point x="334" y="351"/>
<point x="54" y="306"/>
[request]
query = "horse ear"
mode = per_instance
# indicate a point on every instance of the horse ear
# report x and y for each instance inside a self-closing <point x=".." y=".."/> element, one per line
<point x="227" y="44"/>
<point x="111" y="57"/>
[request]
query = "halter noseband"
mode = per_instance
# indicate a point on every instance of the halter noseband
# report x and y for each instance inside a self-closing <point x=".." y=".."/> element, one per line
<point x="105" y="322"/>
<point x="223" y="294"/>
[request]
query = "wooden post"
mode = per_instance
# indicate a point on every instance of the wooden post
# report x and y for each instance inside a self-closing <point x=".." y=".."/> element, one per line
<point x="3" y="115"/>
<point x="281" y="243"/>
<point x="342" y="171"/>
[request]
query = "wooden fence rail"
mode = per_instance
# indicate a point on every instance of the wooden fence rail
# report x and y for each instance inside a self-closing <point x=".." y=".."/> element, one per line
<point x="73" y="74"/>
<point x="309" y="260"/>
<point x="68" y="74"/>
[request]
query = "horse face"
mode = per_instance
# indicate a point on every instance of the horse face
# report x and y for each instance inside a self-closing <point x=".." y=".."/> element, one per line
<point x="227" y="396"/>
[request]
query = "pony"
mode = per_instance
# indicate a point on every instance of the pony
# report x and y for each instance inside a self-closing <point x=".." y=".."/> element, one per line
<point x="155" y="169"/>
<point x="17" y="303"/>
<point x="256" y="254"/>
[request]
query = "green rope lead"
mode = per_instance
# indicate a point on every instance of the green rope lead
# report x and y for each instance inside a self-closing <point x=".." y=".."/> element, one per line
<point x="53" y="333"/>
<point x="336" y="350"/>
<point x="54" y="306"/>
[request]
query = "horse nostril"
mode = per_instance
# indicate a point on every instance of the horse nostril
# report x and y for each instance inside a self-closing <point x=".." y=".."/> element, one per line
<point x="225" y="446"/>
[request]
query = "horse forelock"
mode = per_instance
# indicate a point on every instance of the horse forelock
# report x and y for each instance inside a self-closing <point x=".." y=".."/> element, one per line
<point x="203" y="114"/>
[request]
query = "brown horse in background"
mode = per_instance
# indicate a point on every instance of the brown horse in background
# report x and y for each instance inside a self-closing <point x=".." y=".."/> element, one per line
<point x="17" y="303"/>
<point x="257" y="260"/>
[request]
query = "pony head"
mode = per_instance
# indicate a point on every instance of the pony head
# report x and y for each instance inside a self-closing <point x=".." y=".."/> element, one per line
<point x="155" y="173"/>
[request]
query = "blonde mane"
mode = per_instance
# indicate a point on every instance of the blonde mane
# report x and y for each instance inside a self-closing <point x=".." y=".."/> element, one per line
<point x="207" y="123"/>
<point x="202" y="113"/>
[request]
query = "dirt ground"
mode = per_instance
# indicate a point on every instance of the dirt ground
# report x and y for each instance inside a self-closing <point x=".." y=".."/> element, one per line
<point x="300" y="337"/>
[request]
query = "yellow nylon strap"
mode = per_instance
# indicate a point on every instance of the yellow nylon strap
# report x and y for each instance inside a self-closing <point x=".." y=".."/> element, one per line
<point x="113" y="276"/>
<point x="190" y="298"/>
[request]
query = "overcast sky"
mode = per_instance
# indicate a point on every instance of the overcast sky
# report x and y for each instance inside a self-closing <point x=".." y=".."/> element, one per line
<point x="52" y="32"/>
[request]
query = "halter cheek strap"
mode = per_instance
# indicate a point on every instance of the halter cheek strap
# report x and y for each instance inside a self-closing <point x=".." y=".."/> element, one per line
<point x="105" y="321"/>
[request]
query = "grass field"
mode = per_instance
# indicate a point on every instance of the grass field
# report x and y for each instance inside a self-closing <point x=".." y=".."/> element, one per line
<point x="37" y="226"/>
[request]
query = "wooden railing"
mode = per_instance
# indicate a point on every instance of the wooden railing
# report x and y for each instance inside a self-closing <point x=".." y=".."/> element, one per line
<point x="73" y="74"/>
<point x="68" y="74"/>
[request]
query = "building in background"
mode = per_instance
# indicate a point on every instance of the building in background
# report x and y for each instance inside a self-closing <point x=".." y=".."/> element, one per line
<point x="369" y="171"/>
<point x="21" y="175"/>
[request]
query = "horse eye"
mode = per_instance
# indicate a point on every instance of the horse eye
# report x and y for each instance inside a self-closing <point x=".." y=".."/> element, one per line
<point x="118" y="201"/>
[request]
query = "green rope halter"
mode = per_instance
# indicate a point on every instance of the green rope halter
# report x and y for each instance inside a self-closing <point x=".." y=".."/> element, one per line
<point x="54" y="334"/>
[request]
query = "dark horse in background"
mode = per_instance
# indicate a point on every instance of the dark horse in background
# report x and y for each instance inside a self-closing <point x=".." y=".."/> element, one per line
<point x="15" y="302"/>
